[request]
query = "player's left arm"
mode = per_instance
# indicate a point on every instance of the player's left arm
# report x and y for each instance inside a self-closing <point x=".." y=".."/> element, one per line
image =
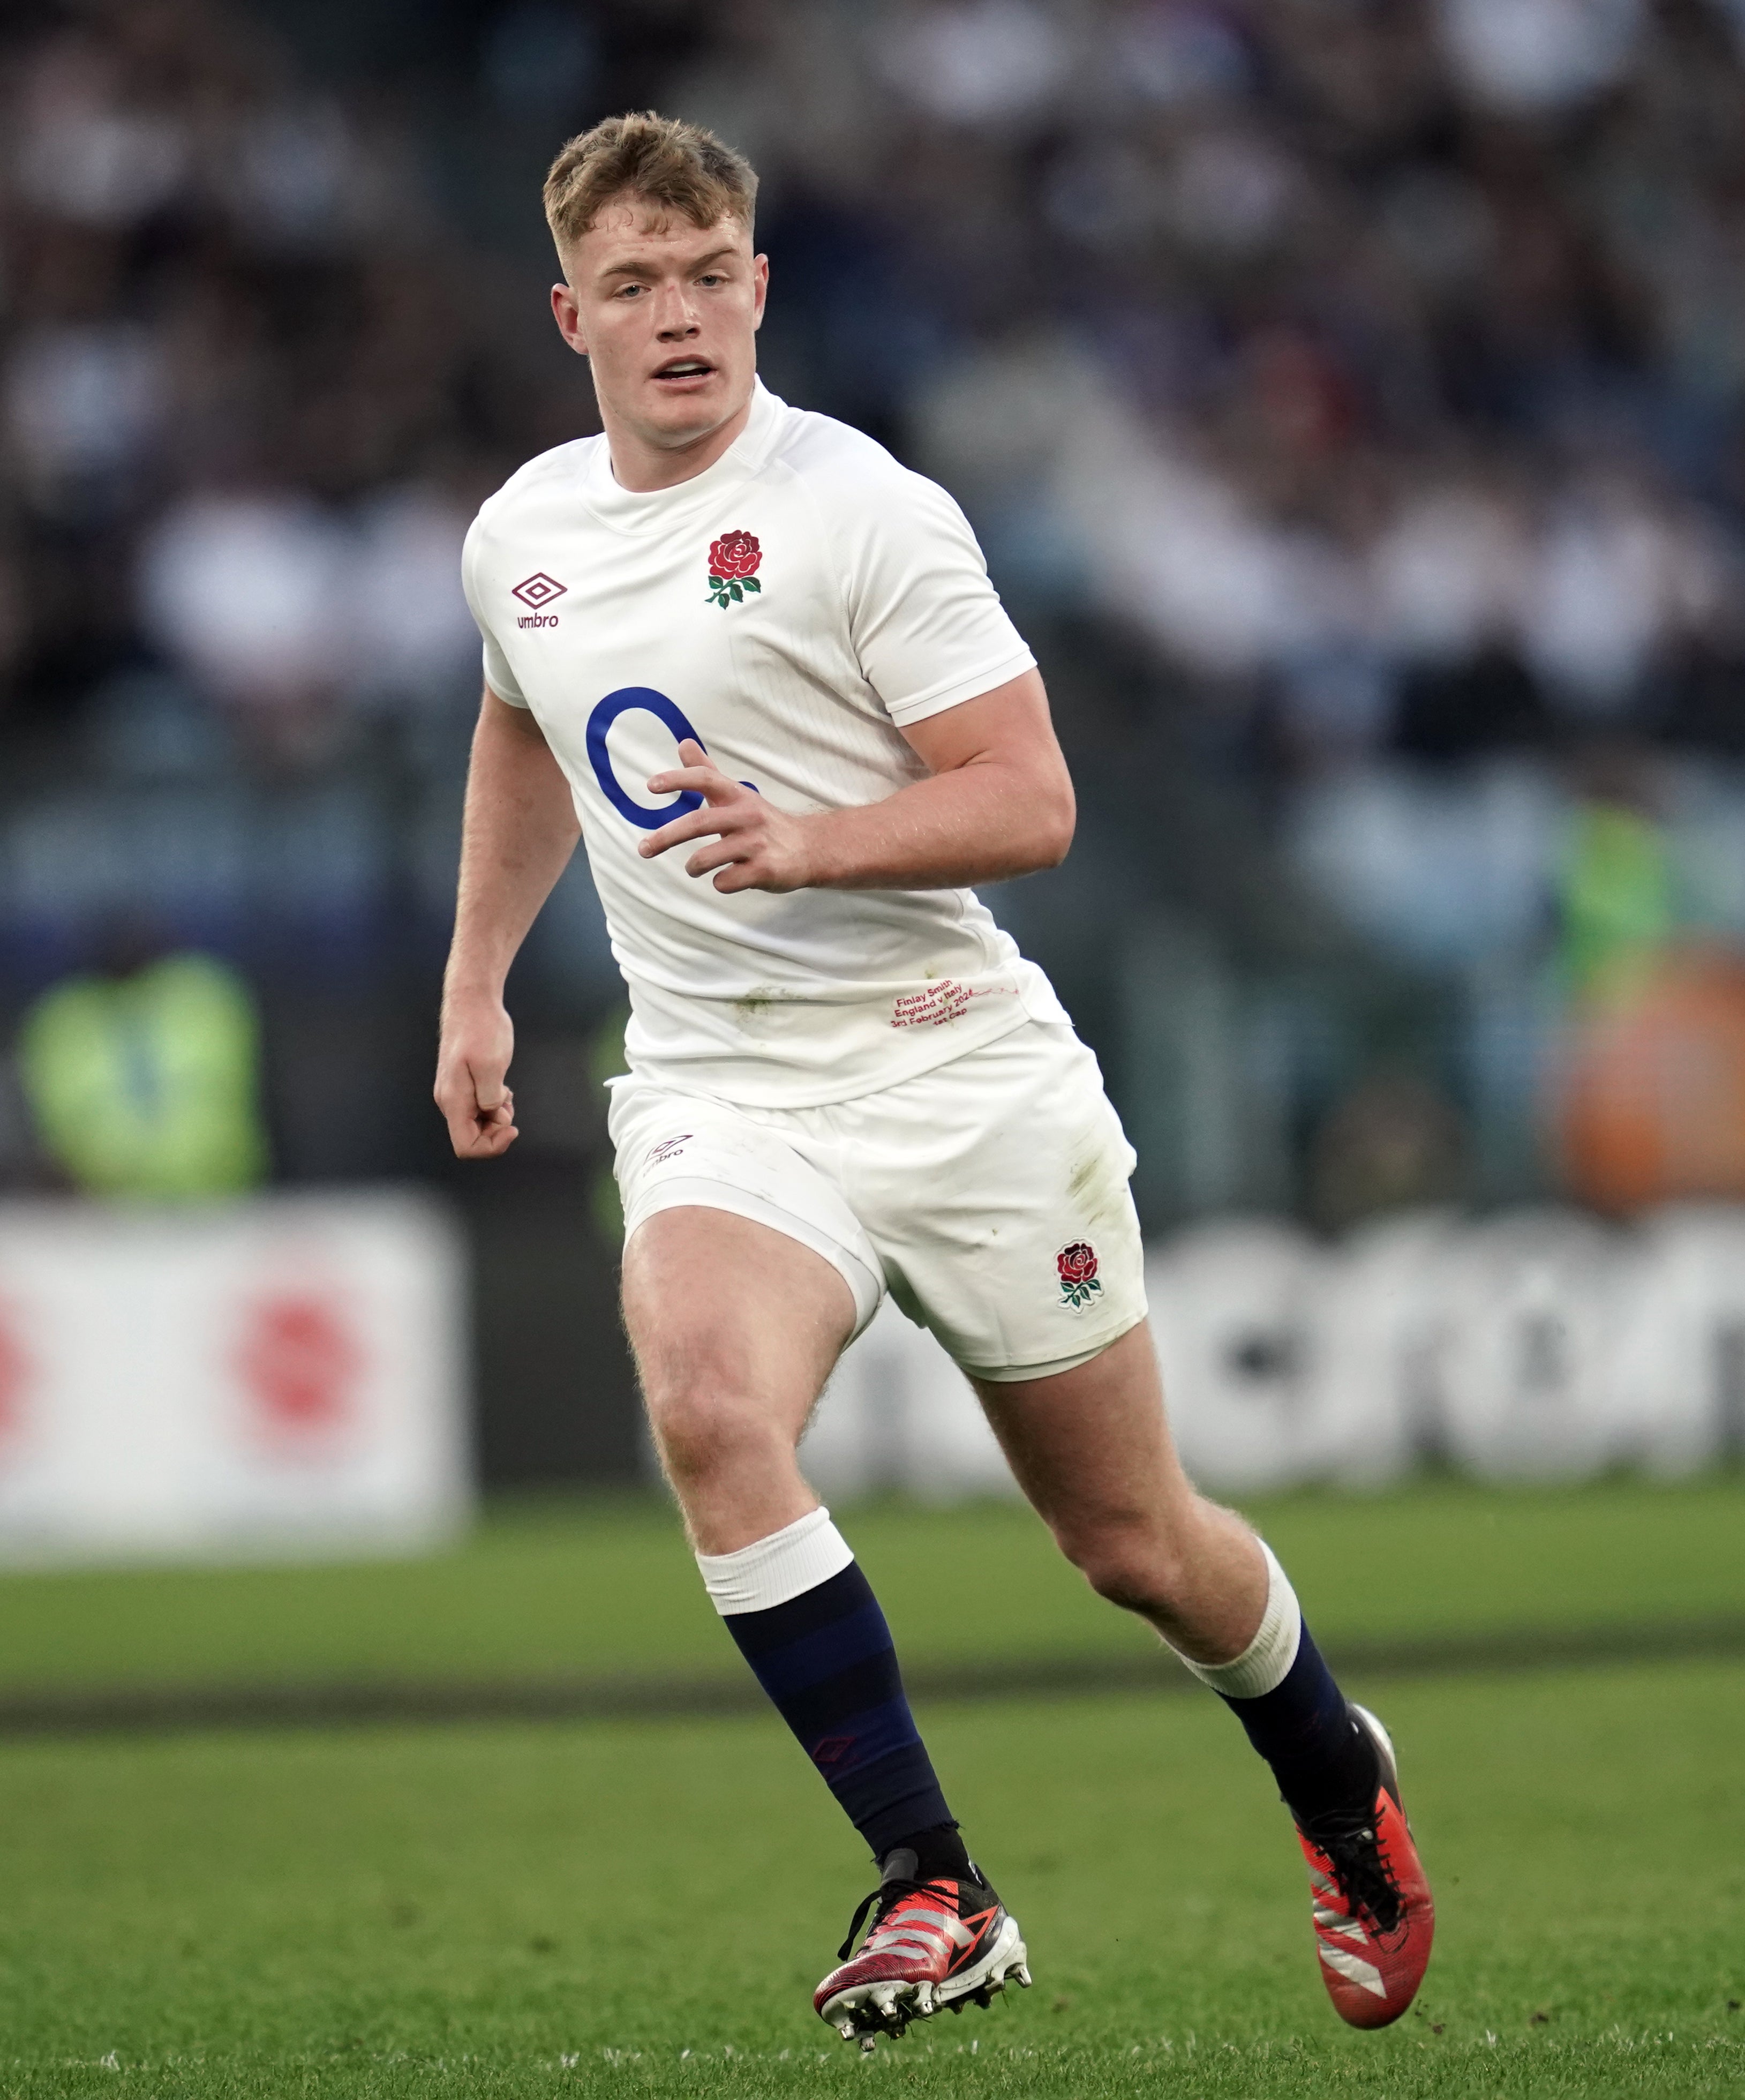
<point x="998" y="802"/>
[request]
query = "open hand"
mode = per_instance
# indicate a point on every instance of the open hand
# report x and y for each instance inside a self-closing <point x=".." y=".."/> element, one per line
<point x="755" y="845"/>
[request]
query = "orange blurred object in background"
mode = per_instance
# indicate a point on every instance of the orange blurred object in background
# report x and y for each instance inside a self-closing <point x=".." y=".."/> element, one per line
<point x="1652" y="1094"/>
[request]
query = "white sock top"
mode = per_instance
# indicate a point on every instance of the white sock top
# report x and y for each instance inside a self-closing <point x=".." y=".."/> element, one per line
<point x="770" y="1571"/>
<point x="1264" y="1663"/>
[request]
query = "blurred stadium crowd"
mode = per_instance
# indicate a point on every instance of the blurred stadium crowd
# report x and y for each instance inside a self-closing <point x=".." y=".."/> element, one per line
<point x="1348" y="394"/>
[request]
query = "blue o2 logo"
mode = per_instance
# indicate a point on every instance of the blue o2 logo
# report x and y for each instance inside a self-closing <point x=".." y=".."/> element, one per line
<point x="622" y="703"/>
<point x="625" y="701"/>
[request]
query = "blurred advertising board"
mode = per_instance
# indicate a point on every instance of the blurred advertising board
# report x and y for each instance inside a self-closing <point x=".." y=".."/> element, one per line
<point x="284" y="1374"/>
<point x="1534" y="1345"/>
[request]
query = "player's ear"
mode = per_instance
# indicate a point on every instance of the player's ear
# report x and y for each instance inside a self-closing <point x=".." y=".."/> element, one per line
<point x="760" y="289"/>
<point x="567" y="311"/>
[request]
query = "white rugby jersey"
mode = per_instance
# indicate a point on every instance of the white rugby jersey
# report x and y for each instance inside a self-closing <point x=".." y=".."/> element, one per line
<point x="788" y="607"/>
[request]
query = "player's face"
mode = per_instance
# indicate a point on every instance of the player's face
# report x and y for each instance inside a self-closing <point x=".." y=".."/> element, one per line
<point x="667" y="314"/>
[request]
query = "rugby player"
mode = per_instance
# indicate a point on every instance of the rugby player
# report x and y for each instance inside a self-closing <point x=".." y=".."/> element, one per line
<point x="758" y="666"/>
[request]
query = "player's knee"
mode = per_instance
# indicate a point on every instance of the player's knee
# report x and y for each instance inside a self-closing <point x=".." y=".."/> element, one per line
<point x="1127" y="1563"/>
<point x="703" y="1433"/>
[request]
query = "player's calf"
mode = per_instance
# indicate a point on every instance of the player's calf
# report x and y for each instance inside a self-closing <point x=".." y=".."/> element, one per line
<point x="806" y="1620"/>
<point x="1090" y="1447"/>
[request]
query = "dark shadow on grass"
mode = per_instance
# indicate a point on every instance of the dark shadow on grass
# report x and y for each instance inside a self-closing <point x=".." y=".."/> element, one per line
<point x="130" y="1709"/>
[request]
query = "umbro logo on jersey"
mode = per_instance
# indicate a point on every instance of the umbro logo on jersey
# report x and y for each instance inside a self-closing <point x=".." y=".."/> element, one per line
<point x="538" y="590"/>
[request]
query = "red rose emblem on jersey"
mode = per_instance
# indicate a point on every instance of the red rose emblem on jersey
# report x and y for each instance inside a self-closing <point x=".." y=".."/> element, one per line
<point x="1077" y="1268"/>
<point x="735" y="554"/>
<point x="734" y="560"/>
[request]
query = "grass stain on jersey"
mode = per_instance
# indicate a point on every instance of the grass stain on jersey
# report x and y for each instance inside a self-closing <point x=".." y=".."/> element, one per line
<point x="756" y="1005"/>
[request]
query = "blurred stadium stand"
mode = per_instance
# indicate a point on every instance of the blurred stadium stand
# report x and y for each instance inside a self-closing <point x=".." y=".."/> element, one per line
<point x="1347" y="392"/>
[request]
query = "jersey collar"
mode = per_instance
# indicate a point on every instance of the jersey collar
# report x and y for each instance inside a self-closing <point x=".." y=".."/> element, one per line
<point x="632" y="510"/>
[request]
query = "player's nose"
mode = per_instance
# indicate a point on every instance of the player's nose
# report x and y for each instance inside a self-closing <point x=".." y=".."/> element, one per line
<point x="677" y="318"/>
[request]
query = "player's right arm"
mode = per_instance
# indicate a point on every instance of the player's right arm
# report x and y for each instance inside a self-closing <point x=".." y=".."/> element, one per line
<point x="517" y="838"/>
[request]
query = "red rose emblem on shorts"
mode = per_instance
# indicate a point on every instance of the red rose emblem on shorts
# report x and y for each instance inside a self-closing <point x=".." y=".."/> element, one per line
<point x="734" y="560"/>
<point x="1077" y="1267"/>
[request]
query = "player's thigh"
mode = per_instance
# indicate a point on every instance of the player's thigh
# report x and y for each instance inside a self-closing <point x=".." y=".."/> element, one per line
<point x="1091" y="1446"/>
<point x="745" y="1271"/>
<point x="734" y="1324"/>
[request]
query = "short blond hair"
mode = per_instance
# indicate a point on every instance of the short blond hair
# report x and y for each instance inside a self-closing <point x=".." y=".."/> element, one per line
<point x="676" y="166"/>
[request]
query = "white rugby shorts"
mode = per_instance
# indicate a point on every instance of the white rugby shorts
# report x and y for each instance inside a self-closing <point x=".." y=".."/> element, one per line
<point x="988" y="1196"/>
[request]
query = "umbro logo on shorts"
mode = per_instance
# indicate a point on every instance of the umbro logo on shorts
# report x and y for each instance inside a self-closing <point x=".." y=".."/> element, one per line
<point x="668" y="1147"/>
<point x="538" y="591"/>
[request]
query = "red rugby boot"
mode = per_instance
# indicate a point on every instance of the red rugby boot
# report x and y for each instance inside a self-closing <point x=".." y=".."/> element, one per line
<point x="933" y="1944"/>
<point x="1374" y="1919"/>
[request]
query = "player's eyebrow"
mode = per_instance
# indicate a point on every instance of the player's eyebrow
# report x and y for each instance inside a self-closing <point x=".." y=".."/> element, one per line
<point x="628" y="267"/>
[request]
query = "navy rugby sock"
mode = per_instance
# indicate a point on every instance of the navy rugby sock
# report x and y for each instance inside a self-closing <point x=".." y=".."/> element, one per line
<point x="823" y="1653"/>
<point x="1320" y="1754"/>
<point x="1281" y="1691"/>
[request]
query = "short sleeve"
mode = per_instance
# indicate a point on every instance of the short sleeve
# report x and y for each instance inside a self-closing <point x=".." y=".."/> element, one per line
<point x="926" y="626"/>
<point x="498" y="676"/>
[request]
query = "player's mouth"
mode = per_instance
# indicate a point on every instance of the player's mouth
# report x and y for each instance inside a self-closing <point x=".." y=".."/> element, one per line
<point x="683" y="375"/>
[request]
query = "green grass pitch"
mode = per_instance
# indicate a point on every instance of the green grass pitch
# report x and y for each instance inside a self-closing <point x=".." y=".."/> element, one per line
<point x="632" y="1907"/>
